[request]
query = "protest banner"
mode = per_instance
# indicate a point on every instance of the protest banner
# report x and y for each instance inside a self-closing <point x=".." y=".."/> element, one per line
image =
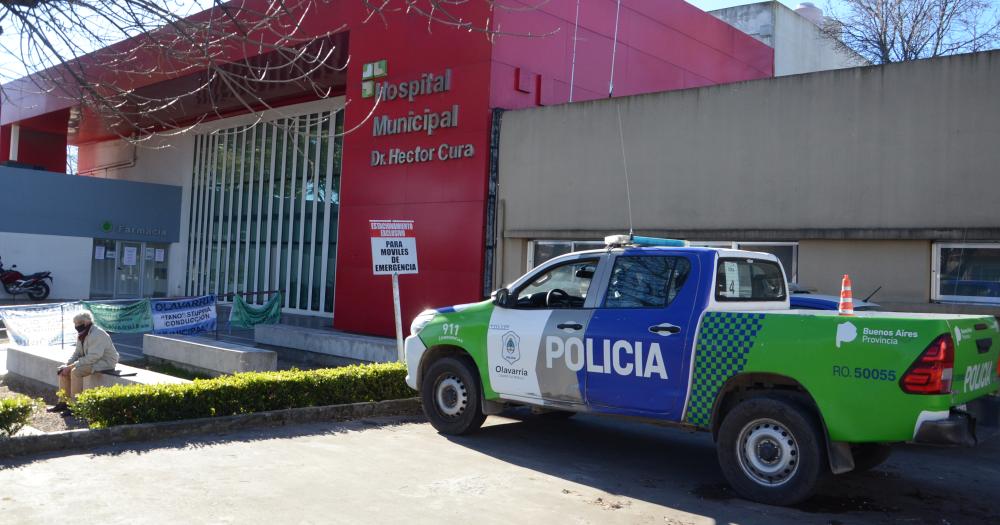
<point x="244" y="315"/>
<point x="122" y="318"/>
<point x="44" y="325"/>
<point x="184" y="316"/>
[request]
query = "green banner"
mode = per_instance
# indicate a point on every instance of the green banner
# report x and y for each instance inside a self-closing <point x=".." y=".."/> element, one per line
<point x="130" y="318"/>
<point x="244" y="315"/>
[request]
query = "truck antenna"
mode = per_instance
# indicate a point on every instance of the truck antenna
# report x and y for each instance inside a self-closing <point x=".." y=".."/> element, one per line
<point x="628" y="192"/>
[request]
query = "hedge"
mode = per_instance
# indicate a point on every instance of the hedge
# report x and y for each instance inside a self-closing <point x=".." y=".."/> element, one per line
<point x="241" y="394"/>
<point x="15" y="413"/>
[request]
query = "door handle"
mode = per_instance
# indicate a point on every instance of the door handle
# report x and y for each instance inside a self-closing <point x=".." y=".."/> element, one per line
<point x="664" y="329"/>
<point x="569" y="326"/>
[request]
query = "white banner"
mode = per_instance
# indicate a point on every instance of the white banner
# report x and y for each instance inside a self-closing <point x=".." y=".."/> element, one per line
<point x="48" y="325"/>
<point x="184" y="316"/>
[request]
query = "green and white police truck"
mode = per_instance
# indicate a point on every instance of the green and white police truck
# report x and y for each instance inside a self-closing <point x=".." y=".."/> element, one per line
<point x="704" y="338"/>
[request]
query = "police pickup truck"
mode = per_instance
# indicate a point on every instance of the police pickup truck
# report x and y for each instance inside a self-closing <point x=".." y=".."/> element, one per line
<point x="704" y="338"/>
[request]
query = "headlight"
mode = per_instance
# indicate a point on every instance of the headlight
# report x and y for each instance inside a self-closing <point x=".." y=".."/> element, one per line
<point x="420" y="321"/>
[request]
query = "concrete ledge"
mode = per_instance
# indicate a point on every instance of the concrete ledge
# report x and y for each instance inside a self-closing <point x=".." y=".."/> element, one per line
<point x="85" y="439"/>
<point x="329" y="342"/>
<point x="212" y="357"/>
<point x="39" y="364"/>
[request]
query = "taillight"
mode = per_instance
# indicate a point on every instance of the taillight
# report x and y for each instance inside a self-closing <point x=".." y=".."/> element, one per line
<point x="931" y="372"/>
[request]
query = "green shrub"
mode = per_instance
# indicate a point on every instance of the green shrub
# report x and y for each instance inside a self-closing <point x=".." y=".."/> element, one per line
<point x="15" y="413"/>
<point x="241" y="394"/>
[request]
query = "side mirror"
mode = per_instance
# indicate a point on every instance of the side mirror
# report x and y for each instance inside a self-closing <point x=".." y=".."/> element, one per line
<point x="501" y="297"/>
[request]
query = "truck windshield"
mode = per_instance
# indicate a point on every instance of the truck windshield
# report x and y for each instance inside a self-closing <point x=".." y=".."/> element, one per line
<point x="740" y="279"/>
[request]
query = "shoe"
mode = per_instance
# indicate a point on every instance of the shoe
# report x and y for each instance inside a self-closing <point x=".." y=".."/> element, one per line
<point x="58" y="407"/>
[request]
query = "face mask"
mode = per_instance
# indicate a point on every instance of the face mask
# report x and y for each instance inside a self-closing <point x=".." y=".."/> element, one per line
<point x="82" y="328"/>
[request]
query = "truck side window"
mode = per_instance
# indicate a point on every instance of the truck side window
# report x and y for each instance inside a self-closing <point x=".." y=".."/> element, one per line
<point x="646" y="281"/>
<point x="573" y="279"/>
<point x="738" y="279"/>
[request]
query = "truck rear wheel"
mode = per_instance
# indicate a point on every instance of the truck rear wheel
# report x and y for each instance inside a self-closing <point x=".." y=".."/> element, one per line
<point x="450" y="392"/>
<point x="772" y="450"/>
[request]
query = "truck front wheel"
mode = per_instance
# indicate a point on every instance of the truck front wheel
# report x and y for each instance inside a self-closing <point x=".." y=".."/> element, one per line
<point x="771" y="450"/>
<point x="450" y="393"/>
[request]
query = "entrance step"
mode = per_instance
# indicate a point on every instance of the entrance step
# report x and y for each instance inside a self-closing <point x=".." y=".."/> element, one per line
<point x="327" y="342"/>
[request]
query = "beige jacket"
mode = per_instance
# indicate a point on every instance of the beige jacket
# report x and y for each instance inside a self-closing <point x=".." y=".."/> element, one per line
<point x="96" y="351"/>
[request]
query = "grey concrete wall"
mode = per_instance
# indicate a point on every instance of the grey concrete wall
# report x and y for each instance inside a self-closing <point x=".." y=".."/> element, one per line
<point x="902" y="147"/>
<point x="39" y="364"/>
<point x="901" y="152"/>
<point x="901" y="268"/>
<point x="211" y="357"/>
<point x="321" y="341"/>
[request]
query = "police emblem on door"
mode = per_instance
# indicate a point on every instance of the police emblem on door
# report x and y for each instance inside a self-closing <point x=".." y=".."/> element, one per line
<point x="510" y="347"/>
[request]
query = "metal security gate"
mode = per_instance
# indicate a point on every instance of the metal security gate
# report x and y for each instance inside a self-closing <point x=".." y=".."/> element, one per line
<point x="264" y="209"/>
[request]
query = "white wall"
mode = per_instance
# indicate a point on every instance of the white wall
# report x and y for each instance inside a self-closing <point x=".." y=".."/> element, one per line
<point x="170" y="160"/>
<point x="68" y="258"/>
<point x="799" y="45"/>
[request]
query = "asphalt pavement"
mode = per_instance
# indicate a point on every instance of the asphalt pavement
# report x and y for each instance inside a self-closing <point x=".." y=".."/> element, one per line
<point x="520" y="469"/>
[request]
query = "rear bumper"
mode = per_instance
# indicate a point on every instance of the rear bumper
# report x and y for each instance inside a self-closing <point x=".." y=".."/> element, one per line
<point x="966" y="426"/>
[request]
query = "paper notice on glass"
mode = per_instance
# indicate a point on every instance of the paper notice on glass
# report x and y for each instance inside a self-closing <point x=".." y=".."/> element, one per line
<point x="110" y="254"/>
<point x="149" y="254"/>
<point x="98" y="253"/>
<point x="160" y="254"/>
<point x="732" y="272"/>
<point x="129" y="255"/>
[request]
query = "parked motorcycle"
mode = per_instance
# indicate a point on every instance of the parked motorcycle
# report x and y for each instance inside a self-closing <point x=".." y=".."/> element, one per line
<point x="15" y="282"/>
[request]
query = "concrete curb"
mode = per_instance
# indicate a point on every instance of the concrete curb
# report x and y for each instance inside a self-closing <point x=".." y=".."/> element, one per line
<point x="85" y="439"/>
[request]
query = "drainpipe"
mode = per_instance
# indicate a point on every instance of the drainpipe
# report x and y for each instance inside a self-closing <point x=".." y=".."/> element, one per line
<point x="15" y="138"/>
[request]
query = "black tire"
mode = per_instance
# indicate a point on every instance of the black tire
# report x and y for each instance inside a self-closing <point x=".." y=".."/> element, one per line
<point x="38" y="292"/>
<point x="450" y="392"/>
<point x="772" y="450"/>
<point x="869" y="455"/>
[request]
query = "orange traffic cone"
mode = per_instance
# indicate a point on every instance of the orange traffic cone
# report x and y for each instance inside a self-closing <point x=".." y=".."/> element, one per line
<point x="846" y="298"/>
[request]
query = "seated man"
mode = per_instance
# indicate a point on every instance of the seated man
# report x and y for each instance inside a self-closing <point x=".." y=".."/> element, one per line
<point x="94" y="353"/>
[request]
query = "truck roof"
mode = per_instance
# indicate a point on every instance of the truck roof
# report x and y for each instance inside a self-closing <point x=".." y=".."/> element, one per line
<point x="723" y="252"/>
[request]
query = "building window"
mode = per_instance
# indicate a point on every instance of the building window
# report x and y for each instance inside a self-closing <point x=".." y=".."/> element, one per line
<point x="966" y="272"/>
<point x="786" y="252"/>
<point x="264" y="209"/>
<point x="541" y="251"/>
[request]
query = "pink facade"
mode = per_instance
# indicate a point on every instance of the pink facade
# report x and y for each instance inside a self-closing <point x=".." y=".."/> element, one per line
<point x="662" y="45"/>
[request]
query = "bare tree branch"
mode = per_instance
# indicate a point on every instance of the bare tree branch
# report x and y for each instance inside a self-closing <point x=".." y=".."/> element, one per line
<point x="886" y="31"/>
<point x="110" y="59"/>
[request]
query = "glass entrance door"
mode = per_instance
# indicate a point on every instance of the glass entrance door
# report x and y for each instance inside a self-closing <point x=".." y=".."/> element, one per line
<point x="129" y="282"/>
<point x="154" y="270"/>
<point x="128" y="270"/>
<point x="102" y="271"/>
